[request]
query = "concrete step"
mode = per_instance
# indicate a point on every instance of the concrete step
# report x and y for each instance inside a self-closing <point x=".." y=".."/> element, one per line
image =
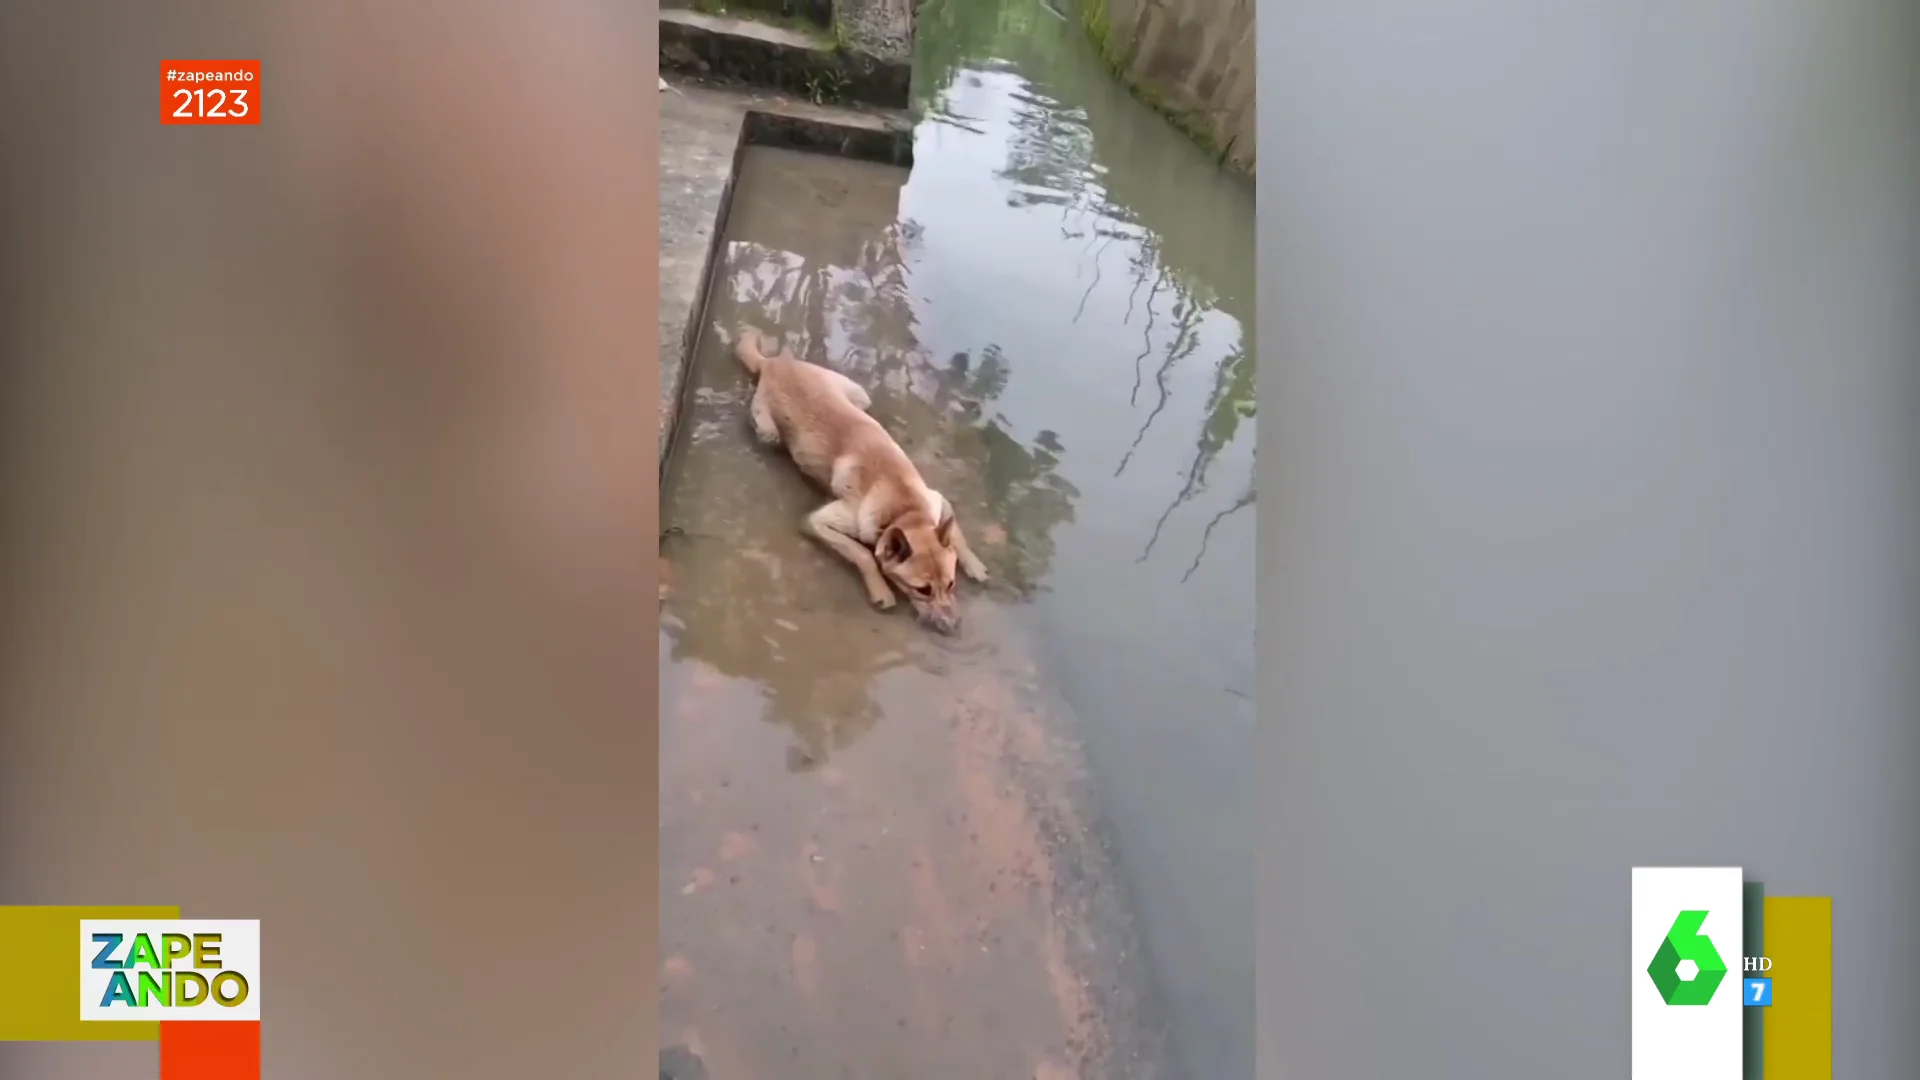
<point x="814" y="13"/>
<point x="792" y="58"/>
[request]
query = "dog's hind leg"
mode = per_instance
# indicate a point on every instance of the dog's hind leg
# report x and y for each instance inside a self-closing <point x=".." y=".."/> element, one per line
<point x="764" y="427"/>
<point x="970" y="563"/>
<point x="853" y="391"/>
<point x="837" y="525"/>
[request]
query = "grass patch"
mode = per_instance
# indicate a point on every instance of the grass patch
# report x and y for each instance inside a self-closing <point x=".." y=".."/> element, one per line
<point x="826" y="86"/>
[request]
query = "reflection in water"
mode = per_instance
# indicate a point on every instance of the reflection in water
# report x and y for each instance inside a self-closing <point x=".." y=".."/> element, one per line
<point x="816" y="256"/>
<point x="1245" y="500"/>
<point x="1051" y="157"/>
<point x="1111" y="263"/>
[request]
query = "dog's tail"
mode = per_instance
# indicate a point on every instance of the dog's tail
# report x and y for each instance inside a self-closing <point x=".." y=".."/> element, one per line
<point x="746" y="346"/>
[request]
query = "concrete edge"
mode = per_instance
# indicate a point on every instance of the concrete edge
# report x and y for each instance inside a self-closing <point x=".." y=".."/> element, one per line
<point x="824" y="69"/>
<point x="883" y="143"/>
<point x="817" y="13"/>
<point x="697" y="318"/>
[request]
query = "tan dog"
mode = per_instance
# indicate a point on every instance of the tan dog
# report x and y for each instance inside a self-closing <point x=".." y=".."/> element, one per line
<point x="884" y="519"/>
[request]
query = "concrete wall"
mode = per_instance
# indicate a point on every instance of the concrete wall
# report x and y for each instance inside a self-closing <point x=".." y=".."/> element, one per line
<point x="1191" y="59"/>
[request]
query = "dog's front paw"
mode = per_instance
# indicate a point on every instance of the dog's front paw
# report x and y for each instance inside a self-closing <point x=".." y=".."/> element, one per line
<point x="882" y="598"/>
<point x="976" y="570"/>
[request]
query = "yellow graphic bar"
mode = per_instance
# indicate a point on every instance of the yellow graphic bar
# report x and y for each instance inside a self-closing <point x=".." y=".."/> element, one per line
<point x="40" y="975"/>
<point x="1798" y="1034"/>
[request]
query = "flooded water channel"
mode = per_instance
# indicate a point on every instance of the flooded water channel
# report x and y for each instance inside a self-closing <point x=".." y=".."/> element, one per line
<point x="1024" y="851"/>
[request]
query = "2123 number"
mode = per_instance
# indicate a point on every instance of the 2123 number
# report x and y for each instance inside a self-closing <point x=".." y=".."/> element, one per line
<point x="225" y="104"/>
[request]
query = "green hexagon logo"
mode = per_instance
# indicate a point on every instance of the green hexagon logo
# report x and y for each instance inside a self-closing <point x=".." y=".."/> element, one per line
<point x="1685" y="942"/>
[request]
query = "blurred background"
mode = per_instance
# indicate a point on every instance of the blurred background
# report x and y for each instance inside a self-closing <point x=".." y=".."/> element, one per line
<point x="327" y="508"/>
<point x="1594" y="449"/>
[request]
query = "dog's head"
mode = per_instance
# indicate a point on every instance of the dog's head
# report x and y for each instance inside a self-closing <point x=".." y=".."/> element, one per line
<point x="916" y="554"/>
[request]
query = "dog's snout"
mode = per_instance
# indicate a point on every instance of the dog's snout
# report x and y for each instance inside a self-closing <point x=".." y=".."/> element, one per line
<point x="945" y="622"/>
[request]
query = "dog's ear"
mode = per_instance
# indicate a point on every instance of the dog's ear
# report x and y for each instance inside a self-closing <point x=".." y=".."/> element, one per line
<point x="894" y="546"/>
<point x="943" y="532"/>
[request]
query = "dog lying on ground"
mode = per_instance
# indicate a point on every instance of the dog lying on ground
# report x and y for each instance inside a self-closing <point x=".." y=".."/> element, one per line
<point x="883" y="519"/>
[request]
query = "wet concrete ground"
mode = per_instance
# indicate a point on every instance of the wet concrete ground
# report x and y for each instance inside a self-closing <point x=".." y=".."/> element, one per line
<point x="880" y="852"/>
<point x="700" y="130"/>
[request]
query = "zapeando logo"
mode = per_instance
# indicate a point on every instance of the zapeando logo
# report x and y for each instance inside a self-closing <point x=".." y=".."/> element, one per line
<point x="1685" y="943"/>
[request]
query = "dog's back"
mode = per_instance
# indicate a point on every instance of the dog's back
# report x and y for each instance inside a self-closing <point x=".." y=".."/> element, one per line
<point x="822" y="419"/>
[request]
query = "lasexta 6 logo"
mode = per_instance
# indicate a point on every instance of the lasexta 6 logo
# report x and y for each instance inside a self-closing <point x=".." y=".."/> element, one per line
<point x="1684" y="942"/>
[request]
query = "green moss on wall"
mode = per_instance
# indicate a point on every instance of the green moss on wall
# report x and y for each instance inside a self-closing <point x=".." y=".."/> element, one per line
<point x="1192" y="124"/>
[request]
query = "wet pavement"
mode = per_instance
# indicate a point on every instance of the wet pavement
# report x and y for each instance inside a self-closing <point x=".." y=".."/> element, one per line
<point x="1024" y="851"/>
<point x="877" y="851"/>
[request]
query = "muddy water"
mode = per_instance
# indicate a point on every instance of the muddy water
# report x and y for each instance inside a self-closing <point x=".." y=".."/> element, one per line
<point x="882" y="851"/>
